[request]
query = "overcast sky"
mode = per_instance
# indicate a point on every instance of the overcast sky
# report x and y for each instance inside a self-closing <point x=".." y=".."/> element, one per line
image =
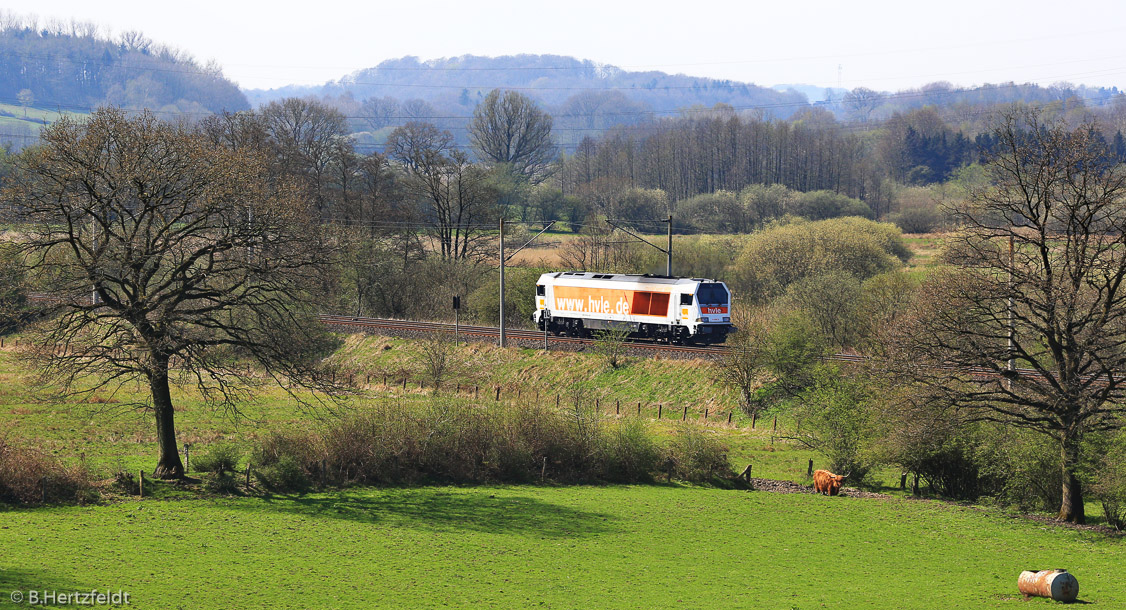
<point x="884" y="45"/>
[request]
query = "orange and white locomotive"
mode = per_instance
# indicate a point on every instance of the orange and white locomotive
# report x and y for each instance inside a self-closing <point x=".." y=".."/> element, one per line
<point x="677" y="310"/>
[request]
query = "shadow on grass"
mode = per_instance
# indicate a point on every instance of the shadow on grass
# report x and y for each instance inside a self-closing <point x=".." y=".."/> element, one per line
<point x="23" y="580"/>
<point x="444" y="510"/>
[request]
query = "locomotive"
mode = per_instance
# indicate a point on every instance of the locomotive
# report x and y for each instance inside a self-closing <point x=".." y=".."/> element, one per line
<point x="670" y="309"/>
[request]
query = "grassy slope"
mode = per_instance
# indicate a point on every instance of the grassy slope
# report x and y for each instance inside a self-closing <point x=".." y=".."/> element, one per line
<point x="113" y="436"/>
<point x="517" y="547"/>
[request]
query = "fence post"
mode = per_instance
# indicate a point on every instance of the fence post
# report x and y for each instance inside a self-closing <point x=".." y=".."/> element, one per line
<point x="141" y="483"/>
<point x="385" y="380"/>
<point x="903" y="481"/>
<point x="557" y="401"/>
<point x="754" y="419"/>
<point x="660" y="409"/>
<point x="618" y="407"/>
<point x="498" y="393"/>
<point x="729" y="414"/>
<point x="809" y="471"/>
<point x="775" y="423"/>
<point x="685" y="416"/>
<point x="705" y="414"/>
<point x="639" y="408"/>
<point x="476" y="390"/>
<point x="597" y="406"/>
<point x="404" y="383"/>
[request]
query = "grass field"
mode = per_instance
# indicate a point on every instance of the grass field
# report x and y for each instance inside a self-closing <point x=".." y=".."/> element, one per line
<point x="539" y="547"/>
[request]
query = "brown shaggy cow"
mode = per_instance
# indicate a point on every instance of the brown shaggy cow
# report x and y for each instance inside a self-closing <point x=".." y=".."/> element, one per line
<point x="825" y="482"/>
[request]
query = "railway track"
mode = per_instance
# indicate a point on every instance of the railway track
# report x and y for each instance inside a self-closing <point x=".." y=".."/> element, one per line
<point x="529" y="338"/>
<point x="352" y="323"/>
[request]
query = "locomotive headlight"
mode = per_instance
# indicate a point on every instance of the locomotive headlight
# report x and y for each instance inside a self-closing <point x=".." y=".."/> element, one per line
<point x="699" y="320"/>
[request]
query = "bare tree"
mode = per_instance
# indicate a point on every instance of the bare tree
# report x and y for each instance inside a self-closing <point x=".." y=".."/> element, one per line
<point x="861" y="102"/>
<point x="508" y="128"/>
<point x="457" y="195"/>
<point x="743" y="367"/>
<point x="380" y="112"/>
<point x="439" y="358"/>
<point x="309" y="138"/>
<point x="1036" y="305"/>
<point x="196" y="260"/>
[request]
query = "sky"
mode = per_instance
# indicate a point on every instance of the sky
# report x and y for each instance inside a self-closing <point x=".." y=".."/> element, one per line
<point x="882" y="45"/>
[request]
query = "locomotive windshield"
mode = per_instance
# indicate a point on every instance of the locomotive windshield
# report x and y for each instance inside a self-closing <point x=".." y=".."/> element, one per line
<point x="712" y="294"/>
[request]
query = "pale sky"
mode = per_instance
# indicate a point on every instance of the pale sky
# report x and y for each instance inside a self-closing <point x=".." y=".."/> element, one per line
<point x="884" y="45"/>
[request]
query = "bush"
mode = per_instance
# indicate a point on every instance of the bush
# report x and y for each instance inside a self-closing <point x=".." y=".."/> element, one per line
<point x="697" y="455"/>
<point x="630" y="453"/>
<point x="282" y="460"/>
<point x="1110" y="482"/>
<point x="225" y="482"/>
<point x="449" y="442"/>
<point x="1026" y="467"/>
<point x="286" y="474"/>
<point x="776" y="257"/>
<point x="917" y="220"/>
<point x="28" y="476"/>
<point x="820" y="205"/>
<point x="13" y="288"/>
<point x="220" y="458"/>
<point x="835" y="419"/>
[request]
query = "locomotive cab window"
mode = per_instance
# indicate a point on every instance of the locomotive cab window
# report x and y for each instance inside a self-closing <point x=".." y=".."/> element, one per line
<point x="540" y="290"/>
<point x="712" y="294"/>
<point x="685" y="299"/>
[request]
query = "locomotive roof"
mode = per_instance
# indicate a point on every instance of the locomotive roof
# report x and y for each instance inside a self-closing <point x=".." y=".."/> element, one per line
<point x="625" y="277"/>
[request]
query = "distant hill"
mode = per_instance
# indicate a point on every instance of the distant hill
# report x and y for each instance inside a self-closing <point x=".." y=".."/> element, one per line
<point x="585" y="97"/>
<point x="71" y="68"/>
<point x="552" y="80"/>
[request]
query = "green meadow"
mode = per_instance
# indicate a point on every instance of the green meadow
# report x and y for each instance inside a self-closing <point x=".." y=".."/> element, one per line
<point x="656" y="546"/>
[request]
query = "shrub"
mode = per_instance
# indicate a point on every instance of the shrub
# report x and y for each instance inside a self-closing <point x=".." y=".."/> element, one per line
<point x="1110" y="482"/>
<point x="835" y="419"/>
<point x="630" y="454"/>
<point x="286" y="474"/>
<point x="917" y="220"/>
<point x="1026" y="467"/>
<point x="28" y="476"/>
<point x="782" y="254"/>
<point x="819" y="205"/>
<point x="283" y="460"/>
<point x="220" y="458"/>
<point x="697" y="455"/>
<point x="449" y="442"/>
<point x="225" y="482"/>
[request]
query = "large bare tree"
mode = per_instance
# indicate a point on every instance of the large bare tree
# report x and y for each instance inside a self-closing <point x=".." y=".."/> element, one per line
<point x="173" y="260"/>
<point x="508" y="128"/>
<point x="1029" y="327"/>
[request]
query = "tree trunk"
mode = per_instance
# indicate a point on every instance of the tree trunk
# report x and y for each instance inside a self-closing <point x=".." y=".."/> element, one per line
<point x="1071" y="506"/>
<point x="169" y="466"/>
